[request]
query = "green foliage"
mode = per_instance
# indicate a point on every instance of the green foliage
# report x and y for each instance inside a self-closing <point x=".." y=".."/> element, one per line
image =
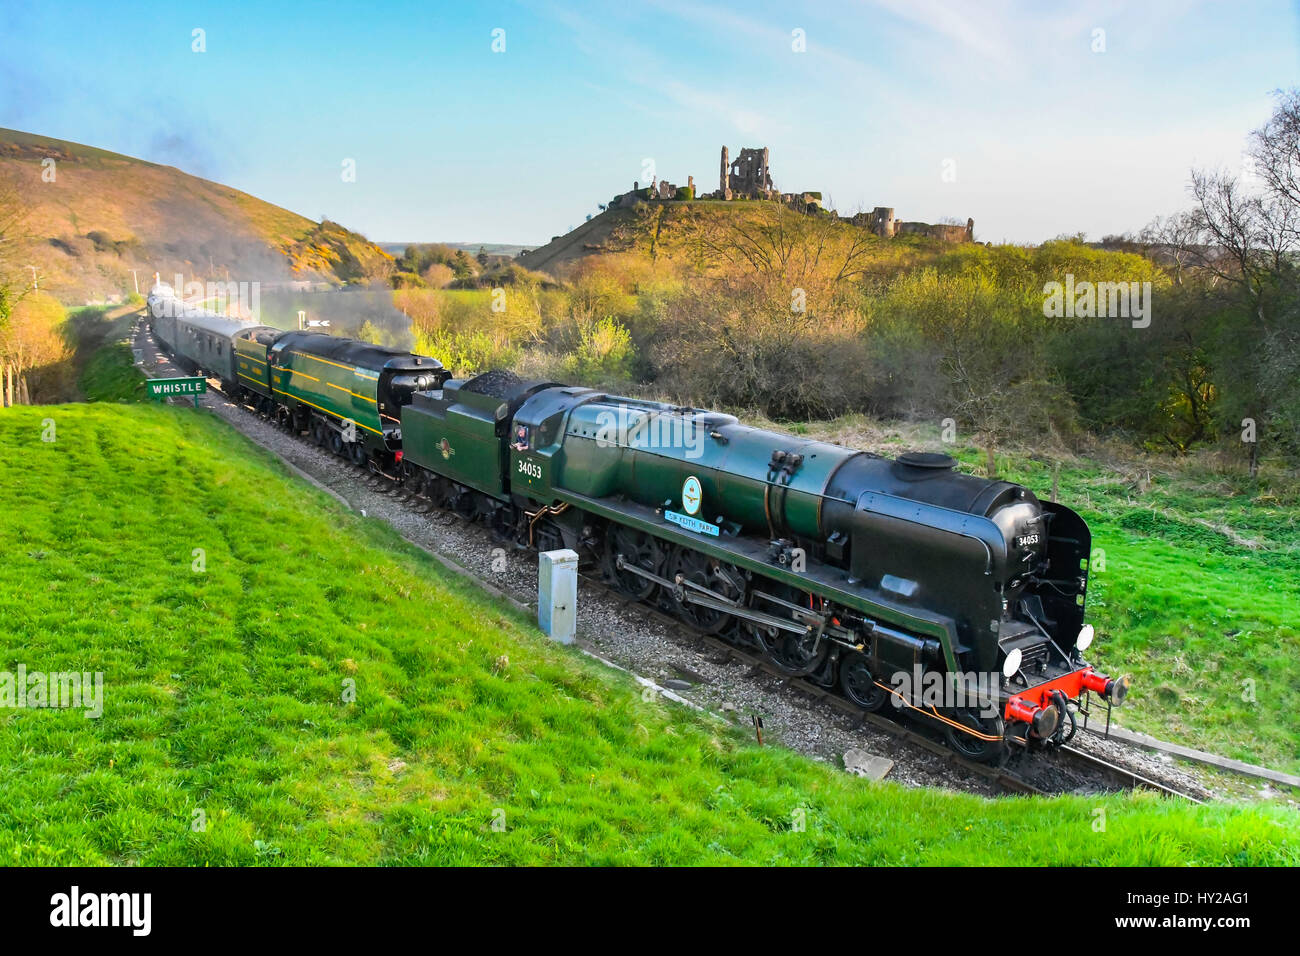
<point x="605" y="354"/>
<point x="329" y="248"/>
<point x="34" y="350"/>
<point x="224" y="692"/>
<point x="988" y="338"/>
<point x="467" y="353"/>
<point x="406" y="280"/>
<point x="416" y="259"/>
<point x="685" y="193"/>
<point x="369" y="332"/>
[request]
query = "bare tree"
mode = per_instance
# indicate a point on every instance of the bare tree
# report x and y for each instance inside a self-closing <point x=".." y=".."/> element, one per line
<point x="793" y="247"/>
<point x="1247" y="240"/>
<point x="1275" y="148"/>
<point x="1173" y="238"/>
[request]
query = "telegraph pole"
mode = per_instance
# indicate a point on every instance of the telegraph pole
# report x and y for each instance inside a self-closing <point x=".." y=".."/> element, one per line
<point x="137" y="281"/>
<point x="35" y="283"/>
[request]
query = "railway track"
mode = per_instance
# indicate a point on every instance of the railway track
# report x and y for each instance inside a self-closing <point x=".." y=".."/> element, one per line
<point x="1121" y="776"/>
<point x="1127" y="778"/>
<point x="757" y="664"/>
<point x="1006" y="780"/>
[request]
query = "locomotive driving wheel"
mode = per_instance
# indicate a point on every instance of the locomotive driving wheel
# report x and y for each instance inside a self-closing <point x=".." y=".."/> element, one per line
<point x="721" y="578"/>
<point x="793" y="654"/>
<point x="859" y="683"/>
<point x="637" y="548"/>
<point x="976" y="746"/>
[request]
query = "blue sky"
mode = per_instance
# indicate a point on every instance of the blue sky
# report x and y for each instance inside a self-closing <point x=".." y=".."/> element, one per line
<point x="455" y="142"/>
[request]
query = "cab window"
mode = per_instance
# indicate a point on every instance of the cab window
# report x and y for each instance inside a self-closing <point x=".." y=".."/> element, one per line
<point x="548" y="432"/>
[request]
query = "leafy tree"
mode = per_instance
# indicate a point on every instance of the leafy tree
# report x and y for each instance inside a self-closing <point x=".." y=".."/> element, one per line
<point x="32" y="349"/>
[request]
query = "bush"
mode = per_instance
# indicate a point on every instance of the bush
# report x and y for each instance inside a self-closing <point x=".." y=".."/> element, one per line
<point x="467" y="353"/>
<point x="605" y="355"/>
<point x="738" y="344"/>
<point x="406" y="280"/>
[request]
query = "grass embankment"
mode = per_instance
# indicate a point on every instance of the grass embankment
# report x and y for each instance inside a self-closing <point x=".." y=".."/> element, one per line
<point x="1195" y="589"/>
<point x="100" y="337"/>
<point x="225" y="693"/>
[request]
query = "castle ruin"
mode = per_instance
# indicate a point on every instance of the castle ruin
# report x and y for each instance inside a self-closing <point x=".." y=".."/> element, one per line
<point x="749" y="176"/>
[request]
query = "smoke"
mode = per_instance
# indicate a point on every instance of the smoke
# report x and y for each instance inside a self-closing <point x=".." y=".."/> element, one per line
<point x="347" y="311"/>
<point x="185" y="152"/>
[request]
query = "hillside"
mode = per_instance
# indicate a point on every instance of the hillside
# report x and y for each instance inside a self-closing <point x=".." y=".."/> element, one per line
<point x="686" y="232"/>
<point x="106" y="214"/>
<point x="329" y="694"/>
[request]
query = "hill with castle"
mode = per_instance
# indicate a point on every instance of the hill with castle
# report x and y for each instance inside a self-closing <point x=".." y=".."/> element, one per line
<point x="743" y="180"/>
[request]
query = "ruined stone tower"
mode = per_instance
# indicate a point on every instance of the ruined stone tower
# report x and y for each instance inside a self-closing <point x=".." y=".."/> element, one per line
<point x="748" y="175"/>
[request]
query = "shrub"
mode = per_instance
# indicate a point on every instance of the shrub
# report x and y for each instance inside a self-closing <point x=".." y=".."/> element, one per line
<point x="605" y="354"/>
<point x="406" y="280"/>
<point x="467" y="353"/>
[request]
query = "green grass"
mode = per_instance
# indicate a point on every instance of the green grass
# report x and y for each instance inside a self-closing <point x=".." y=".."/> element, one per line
<point x="111" y="375"/>
<point x="100" y="338"/>
<point x="224" y="693"/>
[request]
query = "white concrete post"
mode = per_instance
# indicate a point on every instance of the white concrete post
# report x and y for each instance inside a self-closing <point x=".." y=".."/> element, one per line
<point x="557" y="594"/>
